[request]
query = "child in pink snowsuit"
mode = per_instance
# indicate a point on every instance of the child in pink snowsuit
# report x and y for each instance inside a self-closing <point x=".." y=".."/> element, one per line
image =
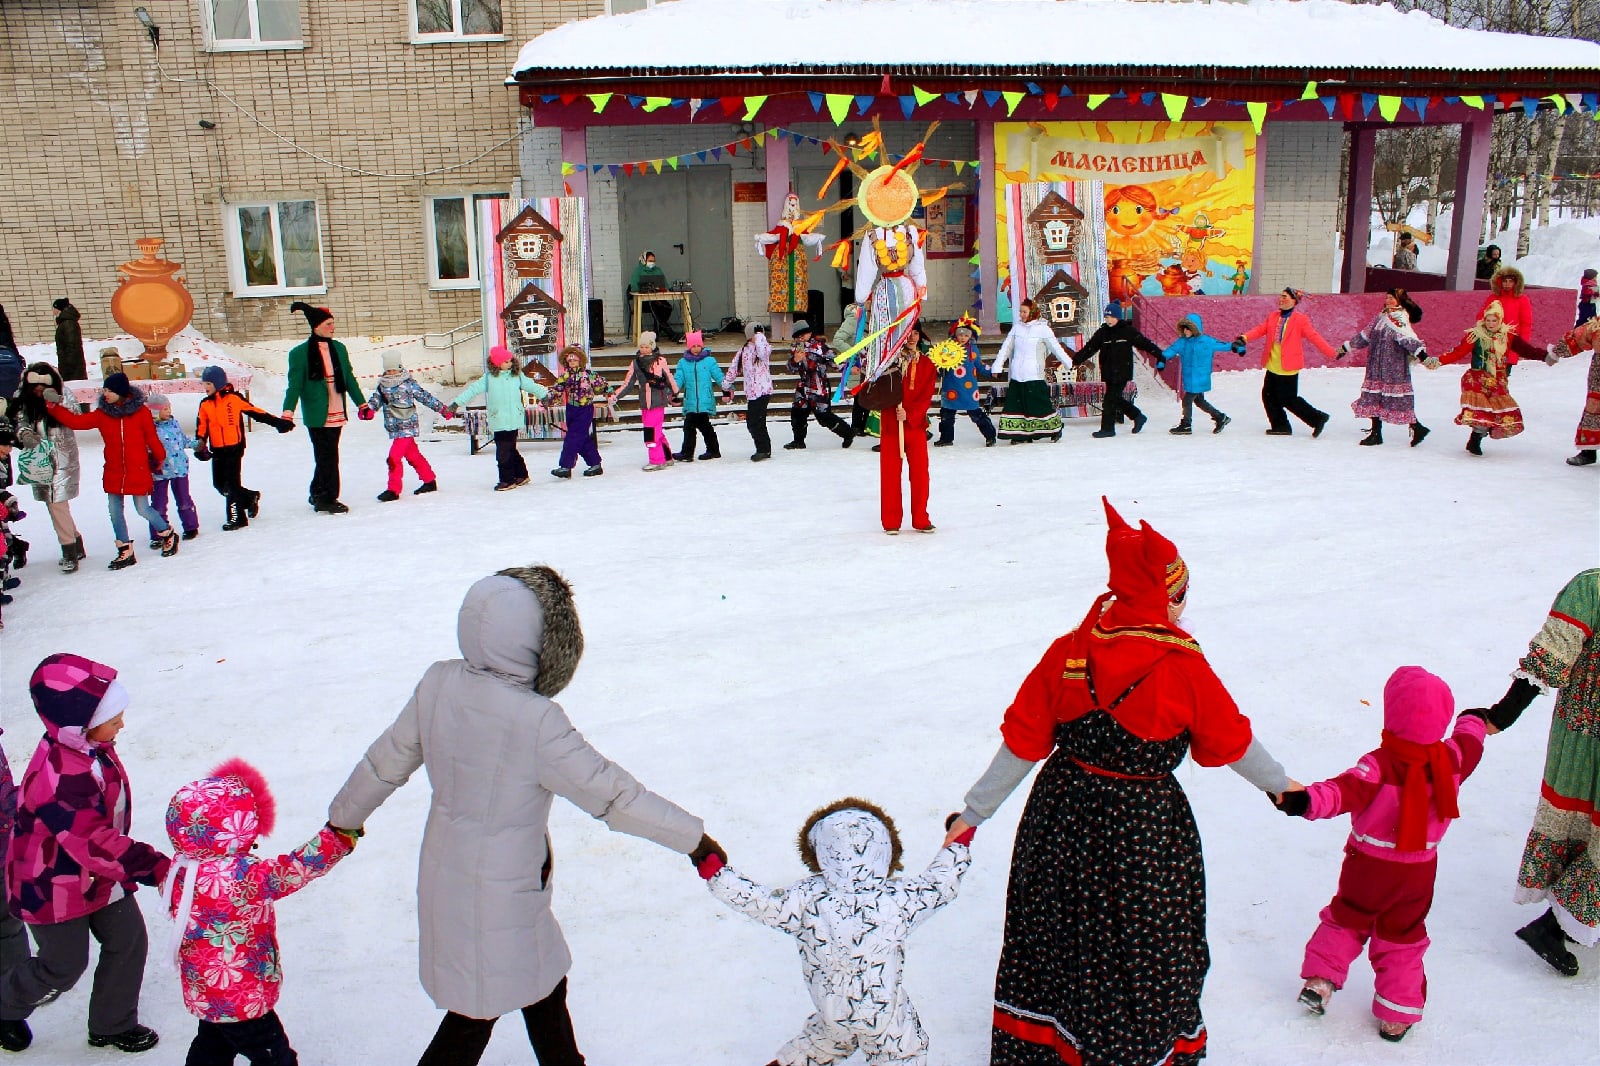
<point x="221" y="897"/>
<point x="1401" y="798"/>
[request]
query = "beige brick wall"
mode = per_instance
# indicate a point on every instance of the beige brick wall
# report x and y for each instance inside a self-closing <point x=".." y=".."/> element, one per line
<point x="103" y="147"/>
<point x="1297" y="220"/>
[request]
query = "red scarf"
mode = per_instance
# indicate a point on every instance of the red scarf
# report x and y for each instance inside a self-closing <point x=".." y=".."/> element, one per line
<point x="1419" y="762"/>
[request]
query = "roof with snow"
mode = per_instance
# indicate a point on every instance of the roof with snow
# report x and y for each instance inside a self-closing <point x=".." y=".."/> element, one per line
<point x="1093" y="39"/>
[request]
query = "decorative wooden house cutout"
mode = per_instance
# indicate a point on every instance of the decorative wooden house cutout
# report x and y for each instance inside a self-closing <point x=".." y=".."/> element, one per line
<point x="1057" y="227"/>
<point x="531" y="323"/>
<point x="1062" y="304"/>
<point x="530" y="244"/>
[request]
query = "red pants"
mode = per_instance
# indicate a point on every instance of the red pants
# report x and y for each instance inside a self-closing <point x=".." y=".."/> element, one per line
<point x="404" y="450"/>
<point x="916" y="448"/>
<point x="1388" y="902"/>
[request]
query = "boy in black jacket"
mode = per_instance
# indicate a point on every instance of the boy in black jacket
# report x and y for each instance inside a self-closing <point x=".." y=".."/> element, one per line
<point x="1114" y="342"/>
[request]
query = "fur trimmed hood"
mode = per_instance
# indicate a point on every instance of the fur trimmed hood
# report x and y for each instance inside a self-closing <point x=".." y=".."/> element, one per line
<point x="556" y="642"/>
<point x="815" y="837"/>
<point x="1518" y="284"/>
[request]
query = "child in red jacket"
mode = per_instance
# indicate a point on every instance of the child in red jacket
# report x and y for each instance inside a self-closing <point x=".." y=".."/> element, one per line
<point x="133" y="453"/>
<point x="1401" y="799"/>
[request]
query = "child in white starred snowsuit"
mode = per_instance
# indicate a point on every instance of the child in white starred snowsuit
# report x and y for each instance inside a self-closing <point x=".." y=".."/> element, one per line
<point x="851" y="919"/>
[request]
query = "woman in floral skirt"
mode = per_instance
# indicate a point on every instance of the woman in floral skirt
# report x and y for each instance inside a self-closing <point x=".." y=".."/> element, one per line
<point x="1391" y="343"/>
<point x="1558" y="862"/>
<point x="1105" y="945"/>
<point x="1487" y="407"/>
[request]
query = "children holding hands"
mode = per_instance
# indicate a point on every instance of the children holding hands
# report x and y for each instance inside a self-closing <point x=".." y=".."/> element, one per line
<point x="502" y="389"/>
<point x="396" y="395"/>
<point x="580" y="389"/>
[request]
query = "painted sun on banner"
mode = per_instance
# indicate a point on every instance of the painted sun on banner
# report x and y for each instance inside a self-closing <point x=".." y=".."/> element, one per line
<point x="1179" y="196"/>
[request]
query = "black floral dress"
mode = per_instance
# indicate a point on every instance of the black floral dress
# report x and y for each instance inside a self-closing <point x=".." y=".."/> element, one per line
<point x="1105" y="942"/>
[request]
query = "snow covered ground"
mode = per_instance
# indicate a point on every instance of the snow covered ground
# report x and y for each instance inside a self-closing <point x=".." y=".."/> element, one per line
<point x="757" y="647"/>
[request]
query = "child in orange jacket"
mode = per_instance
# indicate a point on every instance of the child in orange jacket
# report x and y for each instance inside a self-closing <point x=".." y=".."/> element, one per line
<point x="220" y="430"/>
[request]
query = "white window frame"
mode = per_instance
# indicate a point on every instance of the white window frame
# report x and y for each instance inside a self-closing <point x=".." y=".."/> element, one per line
<point x="648" y="4"/>
<point x="234" y="243"/>
<point x="472" y="280"/>
<point x="254" y="44"/>
<point x="455" y="35"/>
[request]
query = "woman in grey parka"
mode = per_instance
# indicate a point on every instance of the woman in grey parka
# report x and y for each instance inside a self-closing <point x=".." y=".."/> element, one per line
<point x="498" y="749"/>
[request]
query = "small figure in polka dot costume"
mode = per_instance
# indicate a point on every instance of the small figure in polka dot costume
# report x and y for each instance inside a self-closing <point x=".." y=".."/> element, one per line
<point x="958" y="388"/>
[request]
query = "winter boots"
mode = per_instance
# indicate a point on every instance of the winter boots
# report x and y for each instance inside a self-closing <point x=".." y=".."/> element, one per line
<point x="1374" y="435"/>
<point x="425" y="487"/>
<point x="236" y="516"/>
<point x="125" y="557"/>
<point x="1315" y="995"/>
<point x="1475" y="443"/>
<point x="252" y="505"/>
<point x="71" y="555"/>
<point x="139" y="1038"/>
<point x="15" y="1036"/>
<point x="561" y="472"/>
<point x="169" y="543"/>
<point x="594" y="471"/>
<point x="1545" y="937"/>
<point x="388" y="496"/>
<point x="1182" y="429"/>
<point x="1222" y="423"/>
<point x="1585" y="457"/>
<point x="1418" y="432"/>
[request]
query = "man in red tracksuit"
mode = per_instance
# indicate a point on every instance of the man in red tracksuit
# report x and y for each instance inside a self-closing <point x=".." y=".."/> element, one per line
<point x="903" y="431"/>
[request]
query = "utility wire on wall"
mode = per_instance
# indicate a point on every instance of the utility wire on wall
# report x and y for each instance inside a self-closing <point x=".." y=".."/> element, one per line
<point x="253" y="117"/>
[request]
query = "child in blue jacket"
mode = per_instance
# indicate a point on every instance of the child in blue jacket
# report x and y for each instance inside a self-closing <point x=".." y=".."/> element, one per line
<point x="174" y="473"/>
<point x="698" y="377"/>
<point x="1196" y="349"/>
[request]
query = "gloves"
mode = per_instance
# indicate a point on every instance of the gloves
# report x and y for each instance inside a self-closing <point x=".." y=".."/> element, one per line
<point x="708" y="857"/>
<point x="1432" y="362"/>
<point x="27" y="437"/>
<point x="51" y="396"/>
<point x="1294" y="804"/>
<point x="350" y="835"/>
<point x="1238" y="346"/>
<point x="284" y="425"/>
<point x="202" y="452"/>
<point x="1506" y="711"/>
<point x="449" y="413"/>
<point x="965" y="839"/>
<point x="1344" y="350"/>
<point x="455" y="410"/>
<point x="365" y="413"/>
<point x="1422" y="355"/>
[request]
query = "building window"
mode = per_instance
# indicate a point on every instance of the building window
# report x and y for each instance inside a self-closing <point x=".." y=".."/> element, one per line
<point x="452" y="252"/>
<point x="454" y="20"/>
<point x="274" y="248"/>
<point x="247" y="24"/>
<point x="622" y="7"/>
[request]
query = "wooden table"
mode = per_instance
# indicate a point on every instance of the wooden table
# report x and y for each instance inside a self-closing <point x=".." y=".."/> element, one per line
<point x="667" y="296"/>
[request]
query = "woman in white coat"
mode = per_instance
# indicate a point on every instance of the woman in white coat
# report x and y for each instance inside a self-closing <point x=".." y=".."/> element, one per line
<point x="1030" y="414"/>
<point x="498" y="750"/>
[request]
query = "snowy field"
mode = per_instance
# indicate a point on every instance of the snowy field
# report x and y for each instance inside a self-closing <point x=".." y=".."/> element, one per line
<point x="757" y="647"/>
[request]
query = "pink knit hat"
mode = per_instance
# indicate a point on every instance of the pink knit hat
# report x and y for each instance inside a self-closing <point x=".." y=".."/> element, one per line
<point x="1417" y="705"/>
<point x="499" y="355"/>
<point x="693" y="339"/>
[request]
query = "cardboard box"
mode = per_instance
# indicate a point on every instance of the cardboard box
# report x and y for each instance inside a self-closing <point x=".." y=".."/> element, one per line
<point x="110" y="363"/>
<point x="136" y="369"/>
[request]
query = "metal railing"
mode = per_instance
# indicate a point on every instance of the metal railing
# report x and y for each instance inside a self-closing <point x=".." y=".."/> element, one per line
<point x="450" y="338"/>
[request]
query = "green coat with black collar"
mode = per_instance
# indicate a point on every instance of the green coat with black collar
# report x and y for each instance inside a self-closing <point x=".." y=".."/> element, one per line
<point x="312" y="393"/>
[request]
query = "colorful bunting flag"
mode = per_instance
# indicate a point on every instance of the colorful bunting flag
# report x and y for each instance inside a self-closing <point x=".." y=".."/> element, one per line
<point x="816" y="103"/>
<point x="923" y="96"/>
<point x="600" y="100"/>
<point x="1530" y="106"/>
<point x="635" y="101"/>
<point x="1012" y="100"/>
<point x="1560" y="102"/>
<point x="1310" y="92"/>
<point x="1096" y="99"/>
<point x="752" y="104"/>
<point x="991" y="97"/>
<point x="1258" y="113"/>
<point x="655" y="164"/>
<point x="656" y="103"/>
<point x="862" y="103"/>
<point x="1174" y="105"/>
<point x="567" y="168"/>
<point x="908" y="104"/>
<point x="1388" y="107"/>
<point x="1329" y="103"/>
<point x="838" y="107"/>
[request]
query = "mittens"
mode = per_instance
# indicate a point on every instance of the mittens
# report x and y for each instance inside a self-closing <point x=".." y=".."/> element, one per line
<point x="965" y="839"/>
<point x="1238" y="346"/>
<point x="284" y="425"/>
<point x="27" y="437"/>
<point x="449" y="413"/>
<point x="1294" y="804"/>
<point x="202" y="452"/>
<point x="350" y="835"/>
<point x="708" y="857"/>
<point x="51" y="396"/>
<point x="365" y="413"/>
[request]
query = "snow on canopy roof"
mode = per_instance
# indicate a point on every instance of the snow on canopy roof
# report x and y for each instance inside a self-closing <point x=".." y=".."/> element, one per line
<point x="744" y="35"/>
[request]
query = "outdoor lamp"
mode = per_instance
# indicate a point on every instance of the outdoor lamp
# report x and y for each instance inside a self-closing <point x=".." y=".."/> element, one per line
<point x="149" y="25"/>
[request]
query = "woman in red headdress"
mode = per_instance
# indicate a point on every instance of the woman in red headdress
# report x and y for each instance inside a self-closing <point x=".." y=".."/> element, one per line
<point x="1105" y="941"/>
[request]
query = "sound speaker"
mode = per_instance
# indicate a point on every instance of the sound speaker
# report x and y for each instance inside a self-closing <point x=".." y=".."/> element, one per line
<point x="597" y="323"/>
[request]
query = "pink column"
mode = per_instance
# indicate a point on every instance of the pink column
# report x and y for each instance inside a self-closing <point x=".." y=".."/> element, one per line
<point x="988" y="230"/>
<point x="1254" y="286"/>
<point x="575" y="149"/>
<point x="1358" y="208"/>
<point x="777" y="149"/>
<point x="1472" y="176"/>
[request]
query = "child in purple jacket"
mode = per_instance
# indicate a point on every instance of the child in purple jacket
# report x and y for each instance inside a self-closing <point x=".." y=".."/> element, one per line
<point x="71" y="868"/>
<point x="1401" y="799"/>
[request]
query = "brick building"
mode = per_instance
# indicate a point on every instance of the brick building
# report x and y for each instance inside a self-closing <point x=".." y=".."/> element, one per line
<point x="397" y="113"/>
